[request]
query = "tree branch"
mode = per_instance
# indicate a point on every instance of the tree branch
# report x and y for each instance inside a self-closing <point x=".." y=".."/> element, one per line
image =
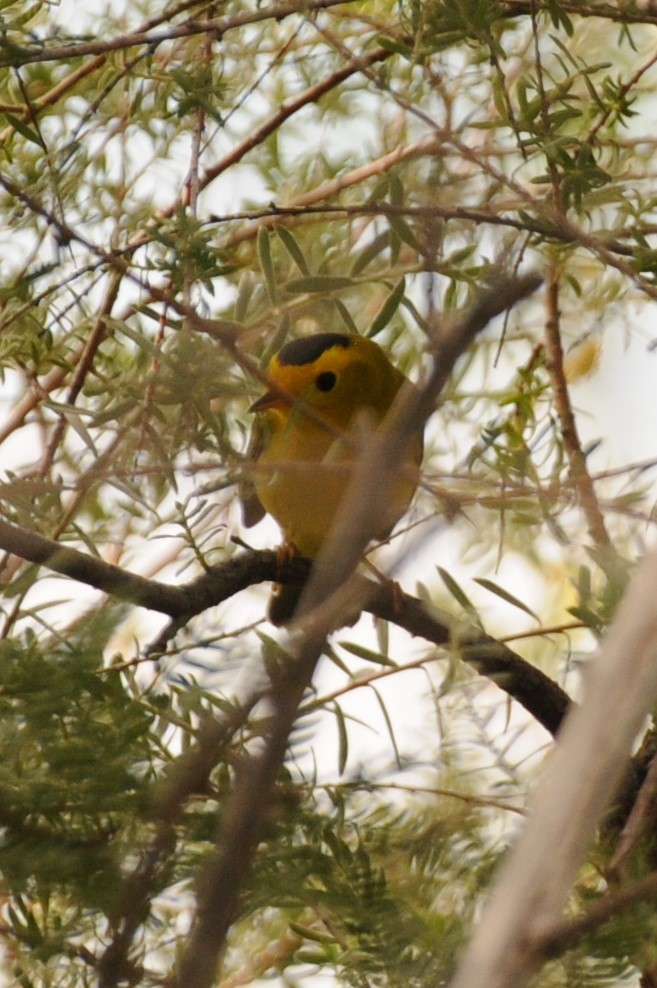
<point x="572" y="445"/>
<point x="524" y="911"/>
<point x="188" y="774"/>
<point x="327" y="597"/>
<point x="149" y="38"/>
<point x="535" y="691"/>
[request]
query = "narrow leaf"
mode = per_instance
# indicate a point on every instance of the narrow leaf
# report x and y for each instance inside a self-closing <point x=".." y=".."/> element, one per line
<point x="391" y="733"/>
<point x="266" y="263"/>
<point x="456" y="591"/>
<point x="309" y="933"/>
<point x="318" y="283"/>
<point x="388" y="309"/>
<point x="505" y="595"/>
<point x="345" y="315"/>
<point x="404" y="232"/>
<point x="24" y="130"/>
<point x="383" y="636"/>
<point x="331" y="654"/>
<point x="291" y="245"/>
<point x="368" y="253"/>
<point x="244" y="293"/>
<point x="343" y="739"/>
<point x="368" y="655"/>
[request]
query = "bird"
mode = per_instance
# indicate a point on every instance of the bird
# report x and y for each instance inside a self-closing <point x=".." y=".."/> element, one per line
<point x="327" y="393"/>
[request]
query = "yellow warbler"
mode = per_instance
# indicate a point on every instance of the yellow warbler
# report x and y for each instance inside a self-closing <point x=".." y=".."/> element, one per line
<point x="328" y="392"/>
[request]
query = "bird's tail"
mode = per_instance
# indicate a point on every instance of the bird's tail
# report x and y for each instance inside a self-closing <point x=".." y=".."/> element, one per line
<point x="284" y="602"/>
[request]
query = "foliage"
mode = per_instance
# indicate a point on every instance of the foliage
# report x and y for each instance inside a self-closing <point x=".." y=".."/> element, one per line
<point x="185" y="186"/>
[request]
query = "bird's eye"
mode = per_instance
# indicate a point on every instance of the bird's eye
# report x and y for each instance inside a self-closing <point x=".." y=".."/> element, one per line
<point x="325" y="381"/>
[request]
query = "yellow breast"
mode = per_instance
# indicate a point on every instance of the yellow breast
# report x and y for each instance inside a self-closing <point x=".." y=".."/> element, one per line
<point x="334" y="391"/>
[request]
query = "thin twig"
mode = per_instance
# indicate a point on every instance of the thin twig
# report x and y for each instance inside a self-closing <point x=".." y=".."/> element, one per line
<point x="641" y="818"/>
<point x="576" y="458"/>
<point x="309" y="96"/>
<point x="152" y="39"/>
<point x="607" y="907"/>
<point x="82" y="368"/>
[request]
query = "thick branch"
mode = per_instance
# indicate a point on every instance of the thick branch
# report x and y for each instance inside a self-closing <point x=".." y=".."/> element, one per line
<point x="535" y="691"/>
<point x="524" y="913"/>
<point x="91" y="570"/>
<point x="540" y="695"/>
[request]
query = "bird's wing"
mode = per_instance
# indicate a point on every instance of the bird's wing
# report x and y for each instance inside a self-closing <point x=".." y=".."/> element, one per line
<point x="252" y="509"/>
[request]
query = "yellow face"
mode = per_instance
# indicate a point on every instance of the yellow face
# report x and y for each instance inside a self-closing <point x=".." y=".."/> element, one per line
<point x="329" y="392"/>
<point x="333" y="374"/>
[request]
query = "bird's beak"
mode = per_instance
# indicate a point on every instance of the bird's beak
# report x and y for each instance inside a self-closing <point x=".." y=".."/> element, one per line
<point x="268" y="400"/>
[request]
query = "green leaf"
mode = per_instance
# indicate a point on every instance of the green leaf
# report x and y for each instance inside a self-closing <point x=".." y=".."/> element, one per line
<point x="22" y="128"/>
<point x="369" y="253"/>
<point x="266" y="264"/>
<point x="310" y="933"/>
<point x="345" y="315"/>
<point x="244" y="295"/>
<point x="274" y="655"/>
<point x="388" y="309"/>
<point x="343" y="738"/>
<point x="366" y="653"/>
<point x="402" y="230"/>
<point x="331" y="654"/>
<point x="382" y="629"/>
<point x="291" y="245"/>
<point x="391" y="733"/>
<point x="505" y="595"/>
<point x="395" y="45"/>
<point x="457" y="592"/>
<point x="318" y="283"/>
<point x="74" y="419"/>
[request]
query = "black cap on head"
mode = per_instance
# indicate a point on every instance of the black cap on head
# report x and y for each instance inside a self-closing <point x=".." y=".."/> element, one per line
<point x="308" y="348"/>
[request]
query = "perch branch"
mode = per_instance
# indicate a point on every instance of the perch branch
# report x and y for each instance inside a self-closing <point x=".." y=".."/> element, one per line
<point x="540" y="695"/>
